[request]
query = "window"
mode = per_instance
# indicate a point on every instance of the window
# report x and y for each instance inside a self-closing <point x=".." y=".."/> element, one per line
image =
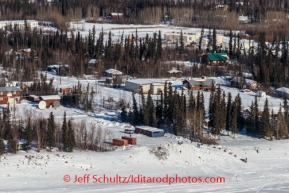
<point x="1" y="93"/>
<point x="1" y="99"/>
<point x="14" y="92"/>
<point x="190" y="38"/>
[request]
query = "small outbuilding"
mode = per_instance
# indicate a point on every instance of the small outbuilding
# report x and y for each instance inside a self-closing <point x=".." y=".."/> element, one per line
<point x="175" y="73"/>
<point x="33" y="98"/>
<point x="130" y="140"/>
<point x="50" y="99"/>
<point x="149" y="131"/>
<point x="119" y="142"/>
<point x="199" y="83"/>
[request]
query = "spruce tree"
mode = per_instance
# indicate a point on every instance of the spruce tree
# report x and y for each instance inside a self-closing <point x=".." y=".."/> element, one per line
<point x="234" y="114"/>
<point x="230" y="43"/>
<point x="223" y="112"/>
<point x="71" y="137"/>
<point x="228" y="111"/>
<point x="2" y="147"/>
<point x="215" y="120"/>
<point x="265" y="130"/>
<point x="64" y="133"/>
<point x="123" y="114"/>
<point x="182" y="45"/>
<point x="135" y="111"/>
<point x="50" y="134"/>
<point x="201" y="39"/>
<point x="214" y="39"/>
<point x="28" y="135"/>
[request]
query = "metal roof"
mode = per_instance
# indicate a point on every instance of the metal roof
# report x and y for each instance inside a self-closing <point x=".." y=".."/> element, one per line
<point x="9" y="89"/>
<point x="218" y="56"/>
<point x="50" y="97"/>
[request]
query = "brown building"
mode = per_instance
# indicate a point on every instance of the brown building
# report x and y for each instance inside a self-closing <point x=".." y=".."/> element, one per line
<point x="119" y="142"/>
<point x="7" y="93"/>
<point x="50" y="99"/>
<point x="199" y="83"/>
<point x="130" y="140"/>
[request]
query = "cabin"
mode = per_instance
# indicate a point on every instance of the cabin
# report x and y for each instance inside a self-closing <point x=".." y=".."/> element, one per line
<point x="113" y="77"/>
<point x="199" y="83"/>
<point x="7" y="93"/>
<point x="115" y="16"/>
<point x="175" y="73"/>
<point x="50" y="99"/>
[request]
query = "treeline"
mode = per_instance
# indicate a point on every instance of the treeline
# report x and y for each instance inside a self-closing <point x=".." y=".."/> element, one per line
<point x="37" y="132"/>
<point x="187" y="12"/>
<point x="185" y="115"/>
<point x="138" y="57"/>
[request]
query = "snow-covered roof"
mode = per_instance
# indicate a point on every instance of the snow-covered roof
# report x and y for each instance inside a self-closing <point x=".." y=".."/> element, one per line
<point x="50" y="97"/>
<point x="65" y="86"/>
<point x="141" y="81"/>
<point x="116" y="14"/>
<point x="57" y="65"/>
<point x="147" y="128"/>
<point x="92" y="61"/>
<point x="9" y="89"/>
<point x="283" y="89"/>
<point x="33" y="96"/>
<point x="113" y="71"/>
<point x="174" y="71"/>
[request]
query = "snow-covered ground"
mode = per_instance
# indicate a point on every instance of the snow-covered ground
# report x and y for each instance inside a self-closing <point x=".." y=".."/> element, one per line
<point x="266" y="171"/>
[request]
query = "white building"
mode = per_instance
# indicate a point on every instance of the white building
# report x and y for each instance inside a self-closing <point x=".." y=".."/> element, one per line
<point x="176" y="37"/>
<point x="148" y="85"/>
<point x="20" y="23"/>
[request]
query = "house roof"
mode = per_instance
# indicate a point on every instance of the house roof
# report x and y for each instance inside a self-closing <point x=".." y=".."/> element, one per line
<point x="116" y="14"/>
<point x="283" y="89"/>
<point x="147" y="128"/>
<point x="201" y="81"/>
<point x="9" y="89"/>
<point x="113" y="71"/>
<point x="50" y="97"/>
<point x="218" y="56"/>
<point x="141" y="81"/>
<point x="93" y="61"/>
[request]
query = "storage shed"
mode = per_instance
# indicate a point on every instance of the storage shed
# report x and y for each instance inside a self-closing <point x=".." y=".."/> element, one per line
<point x="130" y="140"/>
<point x="149" y="131"/>
<point x="50" y="99"/>
<point x="119" y="142"/>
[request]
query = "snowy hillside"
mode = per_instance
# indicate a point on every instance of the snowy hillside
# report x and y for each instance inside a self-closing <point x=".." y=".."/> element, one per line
<point x="266" y="171"/>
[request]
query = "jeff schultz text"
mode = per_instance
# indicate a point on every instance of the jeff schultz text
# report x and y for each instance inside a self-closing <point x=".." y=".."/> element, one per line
<point x="169" y="179"/>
